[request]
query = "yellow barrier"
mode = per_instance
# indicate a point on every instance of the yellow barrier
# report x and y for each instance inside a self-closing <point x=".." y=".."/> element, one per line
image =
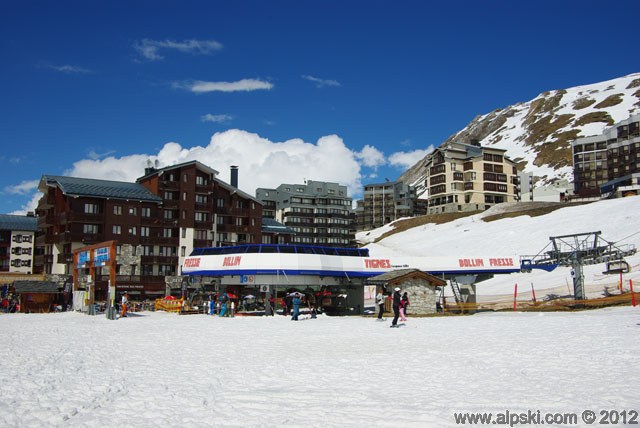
<point x="169" y="305"/>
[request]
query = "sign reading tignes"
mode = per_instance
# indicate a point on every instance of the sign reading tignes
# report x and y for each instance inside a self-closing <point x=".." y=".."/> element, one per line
<point x="576" y="251"/>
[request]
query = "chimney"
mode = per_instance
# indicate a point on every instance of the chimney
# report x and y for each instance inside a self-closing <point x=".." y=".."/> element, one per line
<point x="234" y="176"/>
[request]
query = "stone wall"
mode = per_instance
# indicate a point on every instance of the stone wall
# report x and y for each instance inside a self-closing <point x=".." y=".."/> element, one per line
<point x="422" y="296"/>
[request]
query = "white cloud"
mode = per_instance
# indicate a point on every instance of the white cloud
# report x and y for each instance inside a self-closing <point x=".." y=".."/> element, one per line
<point x="320" y="83"/>
<point x="245" y="85"/>
<point x="29" y="206"/>
<point x="149" y="49"/>
<point x="68" y="69"/>
<point x="263" y="163"/>
<point x="22" y="188"/>
<point x="405" y="160"/>
<point x="217" y="118"/>
<point x="371" y="157"/>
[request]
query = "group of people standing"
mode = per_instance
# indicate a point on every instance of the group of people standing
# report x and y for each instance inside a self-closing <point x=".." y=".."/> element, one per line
<point x="399" y="305"/>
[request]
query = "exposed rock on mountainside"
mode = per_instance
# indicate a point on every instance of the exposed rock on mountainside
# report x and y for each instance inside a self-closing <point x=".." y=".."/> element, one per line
<point x="537" y="134"/>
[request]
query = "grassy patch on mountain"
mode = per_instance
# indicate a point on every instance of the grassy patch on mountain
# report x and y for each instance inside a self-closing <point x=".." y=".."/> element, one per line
<point x="581" y="103"/>
<point x="610" y="101"/>
<point x="532" y="209"/>
<point x="406" y="224"/>
<point x="596" y="116"/>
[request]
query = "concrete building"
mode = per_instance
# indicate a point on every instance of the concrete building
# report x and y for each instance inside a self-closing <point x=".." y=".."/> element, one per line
<point x="17" y="243"/>
<point x="602" y="164"/>
<point x="469" y="177"/>
<point x="384" y="203"/>
<point x="318" y="212"/>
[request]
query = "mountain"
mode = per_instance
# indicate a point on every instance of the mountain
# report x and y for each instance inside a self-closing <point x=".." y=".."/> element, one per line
<point x="537" y="134"/>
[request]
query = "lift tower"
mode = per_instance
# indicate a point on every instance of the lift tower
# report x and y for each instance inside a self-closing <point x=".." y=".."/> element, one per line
<point x="578" y="250"/>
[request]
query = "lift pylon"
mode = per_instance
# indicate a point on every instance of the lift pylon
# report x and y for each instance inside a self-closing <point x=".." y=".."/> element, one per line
<point x="577" y="250"/>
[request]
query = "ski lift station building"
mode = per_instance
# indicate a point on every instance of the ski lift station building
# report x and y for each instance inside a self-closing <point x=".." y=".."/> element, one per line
<point x="262" y="269"/>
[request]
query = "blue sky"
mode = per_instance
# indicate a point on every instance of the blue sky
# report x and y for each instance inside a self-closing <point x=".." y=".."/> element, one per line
<point x="347" y="91"/>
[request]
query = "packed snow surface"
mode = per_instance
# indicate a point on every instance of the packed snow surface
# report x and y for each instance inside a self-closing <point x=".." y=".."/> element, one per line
<point x="156" y="369"/>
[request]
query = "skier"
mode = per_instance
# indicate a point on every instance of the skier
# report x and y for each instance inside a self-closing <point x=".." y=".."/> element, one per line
<point x="124" y="302"/>
<point x="396" y="307"/>
<point x="296" y="307"/>
<point x="380" y="302"/>
<point x="223" y="304"/>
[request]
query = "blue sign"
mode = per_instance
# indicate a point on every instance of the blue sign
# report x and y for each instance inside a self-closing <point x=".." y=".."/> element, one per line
<point x="101" y="256"/>
<point x="83" y="258"/>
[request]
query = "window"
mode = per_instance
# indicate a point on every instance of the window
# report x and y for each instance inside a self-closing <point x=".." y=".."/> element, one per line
<point x="133" y="230"/>
<point x="201" y="216"/>
<point x="167" y="251"/>
<point x="201" y="199"/>
<point x="91" y="209"/>
<point x="117" y="229"/>
<point x="184" y="232"/>
<point x="240" y="204"/>
<point x="167" y="233"/>
<point x="219" y="220"/>
<point x="147" y="250"/>
<point x="144" y="231"/>
<point x="238" y="221"/>
<point x="133" y="211"/>
<point x="168" y="214"/>
<point x="117" y="210"/>
<point x="90" y="229"/>
<point x="200" y="234"/>
<point x="184" y="196"/>
<point x="146" y="212"/>
<point x="183" y="251"/>
<point x="201" y="181"/>
<point x="220" y="203"/>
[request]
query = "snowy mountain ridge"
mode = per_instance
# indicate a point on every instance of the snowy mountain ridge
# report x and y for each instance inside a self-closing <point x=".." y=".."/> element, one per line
<point x="537" y="134"/>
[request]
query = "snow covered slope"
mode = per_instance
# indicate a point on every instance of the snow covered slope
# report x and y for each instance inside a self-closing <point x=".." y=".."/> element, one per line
<point x="523" y="235"/>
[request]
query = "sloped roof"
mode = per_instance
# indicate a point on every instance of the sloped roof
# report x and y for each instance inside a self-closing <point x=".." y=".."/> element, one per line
<point x="36" y="287"/>
<point x="397" y="276"/>
<point x="73" y="186"/>
<point x="199" y="165"/>
<point x="270" y="225"/>
<point x="18" y="222"/>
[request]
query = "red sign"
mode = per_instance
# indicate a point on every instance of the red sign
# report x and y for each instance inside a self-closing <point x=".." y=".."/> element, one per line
<point x="192" y="262"/>
<point x="232" y="261"/>
<point x="377" y="263"/>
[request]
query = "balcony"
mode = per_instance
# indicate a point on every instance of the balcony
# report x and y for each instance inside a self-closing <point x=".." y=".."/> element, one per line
<point x="64" y="258"/>
<point x="159" y="260"/>
<point x="169" y="185"/>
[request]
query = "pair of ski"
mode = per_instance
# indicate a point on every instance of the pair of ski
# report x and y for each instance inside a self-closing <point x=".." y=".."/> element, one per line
<point x="392" y="326"/>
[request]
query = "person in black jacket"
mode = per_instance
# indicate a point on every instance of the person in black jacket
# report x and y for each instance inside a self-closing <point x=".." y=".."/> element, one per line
<point x="396" y="306"/>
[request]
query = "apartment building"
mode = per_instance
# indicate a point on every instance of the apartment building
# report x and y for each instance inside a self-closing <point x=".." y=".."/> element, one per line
<point x="384" y="203"/>
<point x="609" y="162"/>
<point x="17" y="243"/>
<point x="469" y="177"/>
<point x="318" y="212"/>
<point x="164" y="215"/>
<point x="209" y="212"/>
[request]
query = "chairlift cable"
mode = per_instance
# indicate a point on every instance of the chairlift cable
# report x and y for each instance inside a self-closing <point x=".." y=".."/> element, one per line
<point x="633" y="234"/>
